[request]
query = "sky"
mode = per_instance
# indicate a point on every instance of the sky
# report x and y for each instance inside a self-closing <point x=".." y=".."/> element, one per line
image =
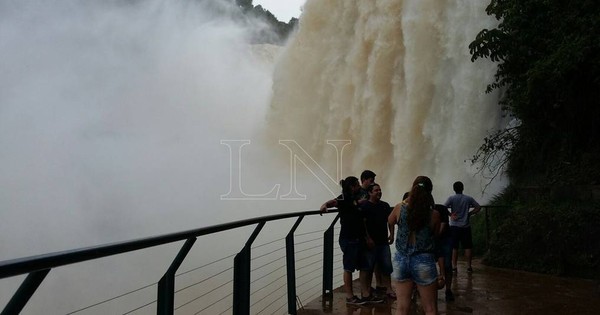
<point x="284" y="10"/>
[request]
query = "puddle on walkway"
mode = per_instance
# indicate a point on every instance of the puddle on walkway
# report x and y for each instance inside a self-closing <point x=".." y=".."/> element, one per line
<point x="492" y="291"/>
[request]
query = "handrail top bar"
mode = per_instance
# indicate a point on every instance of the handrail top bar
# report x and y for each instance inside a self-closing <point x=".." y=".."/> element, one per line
<point x="15" y="267"/>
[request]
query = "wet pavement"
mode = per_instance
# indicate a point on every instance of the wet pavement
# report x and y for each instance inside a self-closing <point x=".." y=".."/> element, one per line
<point x="490" y="290"/>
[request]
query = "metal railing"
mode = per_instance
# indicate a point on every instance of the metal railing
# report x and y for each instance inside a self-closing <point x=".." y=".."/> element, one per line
<point x="38" y="267"/>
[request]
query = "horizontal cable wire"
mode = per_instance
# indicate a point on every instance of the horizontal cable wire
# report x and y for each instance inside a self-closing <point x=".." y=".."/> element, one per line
<point x="309" y="272"/>
<point x="203" y="295"/>
<point x="268" y="243"/>
<point x="313" y="287"/>
<point x="307" y="264"/>
<point x="307" y="233"/>
<point x="113" y="298"/>
<point x="210" y="263"/>
<point x="282" y="306"/>
<point x="308" y="241"/>
<point x="270" y="283"/>
<point x="139" y="308"/>
<point x="269" y="253"/>
<point x="223" y="312"/>
<point x="269" y="295"/>
<point x="271" y="262"/>
<point x="197" y="283"/>
<point x="308" y="257"/>
<point x="268" y="274"/>
<point x="306" y="249"/>
<point x="276" y="299"/>
<point x="214" y="303"/>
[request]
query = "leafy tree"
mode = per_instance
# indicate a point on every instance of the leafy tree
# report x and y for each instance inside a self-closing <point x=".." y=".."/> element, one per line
<point x="548" y="54"/>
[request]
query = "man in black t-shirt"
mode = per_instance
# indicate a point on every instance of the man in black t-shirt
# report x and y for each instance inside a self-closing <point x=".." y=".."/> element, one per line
<point x="376" y="213"/>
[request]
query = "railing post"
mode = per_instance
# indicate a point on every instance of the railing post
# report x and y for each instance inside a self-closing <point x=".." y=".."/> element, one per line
<point x="290" y="259"/>
<point x="328" y="261"/>
<point x="24" y="292"/>
<point x="241" y="276"/>
<point x="166" y="285"/>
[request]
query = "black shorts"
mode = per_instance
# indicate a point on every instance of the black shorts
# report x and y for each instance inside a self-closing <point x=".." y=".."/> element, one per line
<point x="461" y="236"/>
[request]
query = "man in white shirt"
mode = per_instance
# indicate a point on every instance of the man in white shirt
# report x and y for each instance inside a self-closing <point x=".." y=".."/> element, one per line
<point x="460" y="229"/>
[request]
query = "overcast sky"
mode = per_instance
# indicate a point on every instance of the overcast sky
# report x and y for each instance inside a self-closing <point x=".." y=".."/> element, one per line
<point x="284" y="10"/>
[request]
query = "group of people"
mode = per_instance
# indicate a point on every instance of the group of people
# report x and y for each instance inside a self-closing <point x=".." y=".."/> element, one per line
<point x="428" y="236"/>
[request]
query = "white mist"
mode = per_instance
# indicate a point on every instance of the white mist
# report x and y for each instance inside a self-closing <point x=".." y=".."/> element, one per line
<point x="111" y="117"/>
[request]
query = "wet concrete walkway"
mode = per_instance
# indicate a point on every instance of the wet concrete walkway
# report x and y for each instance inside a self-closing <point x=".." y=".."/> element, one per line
<point x="491" y="291"/>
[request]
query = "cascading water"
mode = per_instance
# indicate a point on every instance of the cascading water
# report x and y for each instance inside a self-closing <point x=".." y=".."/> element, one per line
<point x="395" y="78"/>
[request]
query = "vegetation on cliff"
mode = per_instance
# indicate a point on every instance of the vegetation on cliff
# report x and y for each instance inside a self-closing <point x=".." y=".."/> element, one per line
<point x="548" y="55"/>
<point x="274" y="31"/>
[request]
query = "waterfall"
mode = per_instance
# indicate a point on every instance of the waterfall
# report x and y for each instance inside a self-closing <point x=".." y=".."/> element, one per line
<point x="395" y="78"/>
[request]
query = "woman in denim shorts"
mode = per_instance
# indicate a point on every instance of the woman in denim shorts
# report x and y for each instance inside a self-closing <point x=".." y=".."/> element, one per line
<point x="414" y="260"/>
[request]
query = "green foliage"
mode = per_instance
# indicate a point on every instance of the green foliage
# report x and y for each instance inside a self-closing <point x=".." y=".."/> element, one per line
<point x="548" y="54"/>
<point x="545" y="234"/>
<point x="263" y="25"/>
<point x="479" y="233"/>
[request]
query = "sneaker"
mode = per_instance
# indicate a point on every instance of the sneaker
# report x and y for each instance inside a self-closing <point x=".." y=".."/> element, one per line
<point x="449" y="296"/>
<point x="469" y="270"/>
<point x="354" y="300"/>
<point x="371" y="299"/>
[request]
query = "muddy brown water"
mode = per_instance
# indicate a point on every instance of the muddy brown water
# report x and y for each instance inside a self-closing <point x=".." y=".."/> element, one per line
<point x="490" y="290"/>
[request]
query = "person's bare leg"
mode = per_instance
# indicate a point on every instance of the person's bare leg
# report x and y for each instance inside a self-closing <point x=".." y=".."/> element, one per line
<point x="441" y="273"/>
<point x="454" y="258"/>
<point x="468" y="256"/>
<point x="428" y="295"/>
<point x="379" y="279"/>
<point x="348" y="284"/>
<point x="403" y="294"/>
<point x="365" y="282"/>
<point x="449" y="277"/>
<point x="387" y="282"/>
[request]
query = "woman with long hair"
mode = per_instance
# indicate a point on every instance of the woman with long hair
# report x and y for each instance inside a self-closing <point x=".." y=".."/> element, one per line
<point x="414" y="261"/>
